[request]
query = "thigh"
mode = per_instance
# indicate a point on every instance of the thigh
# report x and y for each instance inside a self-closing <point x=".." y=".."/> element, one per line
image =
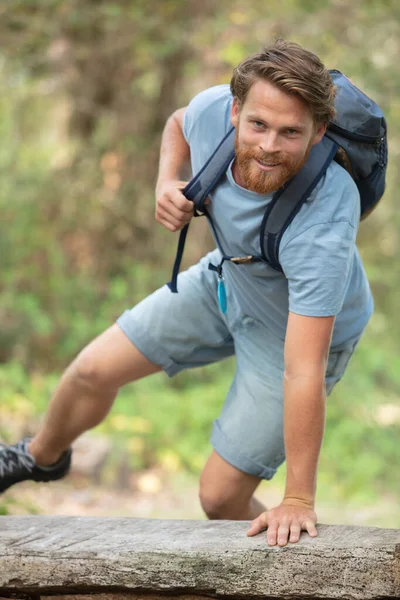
<point x="111" y="360"/>
<point x="178" y="331"/>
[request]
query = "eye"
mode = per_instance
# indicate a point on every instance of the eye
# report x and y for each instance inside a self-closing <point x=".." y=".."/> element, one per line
<point x="258" y="124"/>
<point x="292" y="131"/>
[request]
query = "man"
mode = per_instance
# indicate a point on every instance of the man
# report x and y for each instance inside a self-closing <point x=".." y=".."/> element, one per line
<point x="293" y="333"/>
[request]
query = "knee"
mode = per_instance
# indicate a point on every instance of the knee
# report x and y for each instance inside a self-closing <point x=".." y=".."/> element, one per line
<point x="216" y="502"/>
<point x="86" y="372"/>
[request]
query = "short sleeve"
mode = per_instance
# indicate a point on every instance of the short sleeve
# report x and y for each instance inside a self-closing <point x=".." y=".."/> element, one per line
<point x="317" y="264"/>
<point x="207" y="106"/>
<point x="192" y="112"/>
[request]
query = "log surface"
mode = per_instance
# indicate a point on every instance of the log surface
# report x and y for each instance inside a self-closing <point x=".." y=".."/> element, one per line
<point x="80" y="555"/>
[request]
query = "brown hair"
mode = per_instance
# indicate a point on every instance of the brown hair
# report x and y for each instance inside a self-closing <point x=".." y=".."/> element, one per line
<point x="294" y="70"/>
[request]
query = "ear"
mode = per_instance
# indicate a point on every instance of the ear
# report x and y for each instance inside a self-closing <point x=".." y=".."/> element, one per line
<point x="235" y="110"/>
<point x="319" y="133"/>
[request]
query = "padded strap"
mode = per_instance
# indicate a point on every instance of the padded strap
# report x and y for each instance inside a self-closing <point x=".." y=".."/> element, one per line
<point x="288" y="200"/>
<point x="206" y="179"/>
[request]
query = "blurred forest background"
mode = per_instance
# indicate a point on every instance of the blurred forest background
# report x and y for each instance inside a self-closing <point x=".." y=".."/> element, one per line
<point x="86" y="88"/>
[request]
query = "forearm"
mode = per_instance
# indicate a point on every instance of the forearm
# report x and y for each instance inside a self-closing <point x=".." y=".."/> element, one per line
<point x="174" y="152"/>
<point x="304" y="418"/>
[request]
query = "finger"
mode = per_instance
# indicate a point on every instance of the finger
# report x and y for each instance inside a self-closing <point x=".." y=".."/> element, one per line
<point x="272" y="534"/>
<point x="165" y="222"/>
<point x="181" y="184"/>
<point x="258" y="524"/>
<point x="180" y="202"/>
<point x="163" y="216"/>
<point x="295" y="531"/>
<point x="170" y="209"/>
<point x="207" y="200"/>
<point x="187" y="206"/>
<point x="176" y="199"/>
<point x="310" y="527"/>
<point x="283" y="534"/>
<point x="167" y="225"/>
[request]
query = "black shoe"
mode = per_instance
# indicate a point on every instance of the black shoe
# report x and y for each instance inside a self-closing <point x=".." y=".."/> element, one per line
<point x="17" y="464"/>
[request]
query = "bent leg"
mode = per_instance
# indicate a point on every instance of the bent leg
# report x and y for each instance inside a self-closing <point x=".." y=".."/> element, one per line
<point x="165" y="331"/>
<point x="248" y="435"/>
<point x="87" y="390"/>
<point x="227" y="493"/>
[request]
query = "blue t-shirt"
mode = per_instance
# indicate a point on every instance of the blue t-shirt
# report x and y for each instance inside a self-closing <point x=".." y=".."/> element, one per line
<point x="322" y="270"/>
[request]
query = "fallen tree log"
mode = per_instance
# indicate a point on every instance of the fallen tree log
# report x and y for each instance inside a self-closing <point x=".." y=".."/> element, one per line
<point x="121" y="559"/>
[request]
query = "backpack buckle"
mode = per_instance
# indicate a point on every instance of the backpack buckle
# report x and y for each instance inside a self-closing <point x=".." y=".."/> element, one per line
<point x="241" y="260"/>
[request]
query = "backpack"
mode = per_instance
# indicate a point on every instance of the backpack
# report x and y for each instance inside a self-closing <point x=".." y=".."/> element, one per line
<point x="356" y="138"/>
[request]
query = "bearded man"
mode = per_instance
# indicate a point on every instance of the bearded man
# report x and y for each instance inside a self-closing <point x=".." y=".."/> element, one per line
<point x="293" y="333"/>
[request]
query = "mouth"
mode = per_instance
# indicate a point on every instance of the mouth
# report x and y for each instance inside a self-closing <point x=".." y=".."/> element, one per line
<point x="264" y="166"/>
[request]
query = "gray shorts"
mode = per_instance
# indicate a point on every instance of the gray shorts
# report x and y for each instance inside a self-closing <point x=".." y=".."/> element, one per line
<point x="184" y="330"/>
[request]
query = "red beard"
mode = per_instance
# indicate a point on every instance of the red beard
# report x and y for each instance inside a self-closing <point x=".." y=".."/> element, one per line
<point x="263" y="182"/>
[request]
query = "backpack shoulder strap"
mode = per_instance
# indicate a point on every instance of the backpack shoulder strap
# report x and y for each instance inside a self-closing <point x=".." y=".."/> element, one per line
<point x="207" y="178"/>
<point x="198" y="189"/>
<point x="290" y="198"/>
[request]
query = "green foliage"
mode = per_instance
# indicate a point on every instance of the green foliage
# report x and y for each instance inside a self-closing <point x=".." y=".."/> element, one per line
<point x="360" y="448"/>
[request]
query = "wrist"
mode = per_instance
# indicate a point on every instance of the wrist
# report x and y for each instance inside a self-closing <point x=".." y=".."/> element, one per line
<point x="299" y="500"/>
<point x="167" y="179"/>
<point x="160" y="182"/>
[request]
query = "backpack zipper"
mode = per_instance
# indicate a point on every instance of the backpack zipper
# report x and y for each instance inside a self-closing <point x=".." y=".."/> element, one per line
<point x="367" y="139"/>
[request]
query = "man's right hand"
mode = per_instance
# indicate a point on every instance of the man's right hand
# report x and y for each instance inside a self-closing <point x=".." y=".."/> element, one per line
<point x="173" y="210"/>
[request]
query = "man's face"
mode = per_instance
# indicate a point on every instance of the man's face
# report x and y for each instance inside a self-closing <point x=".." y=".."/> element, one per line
<point x="275" y="132"/>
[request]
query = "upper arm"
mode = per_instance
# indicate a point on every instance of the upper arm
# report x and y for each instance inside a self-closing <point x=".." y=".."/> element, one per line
<point x="307" y="344"/>
<point x="178" y="116"/>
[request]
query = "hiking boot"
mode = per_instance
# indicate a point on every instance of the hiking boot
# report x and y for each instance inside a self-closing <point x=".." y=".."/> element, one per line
<point x="17" y="464"/>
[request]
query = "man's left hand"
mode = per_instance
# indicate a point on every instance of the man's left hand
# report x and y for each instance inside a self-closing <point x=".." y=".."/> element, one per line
<point x="285" y="523"/>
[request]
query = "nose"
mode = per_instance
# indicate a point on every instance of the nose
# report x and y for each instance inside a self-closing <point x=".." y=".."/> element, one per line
<point x="270" y="142"/>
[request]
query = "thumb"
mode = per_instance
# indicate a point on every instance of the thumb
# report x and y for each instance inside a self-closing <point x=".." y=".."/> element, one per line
<point x="258" y="524"/>
<point x="181" y="184"/>
<point x="207" y="200"/>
